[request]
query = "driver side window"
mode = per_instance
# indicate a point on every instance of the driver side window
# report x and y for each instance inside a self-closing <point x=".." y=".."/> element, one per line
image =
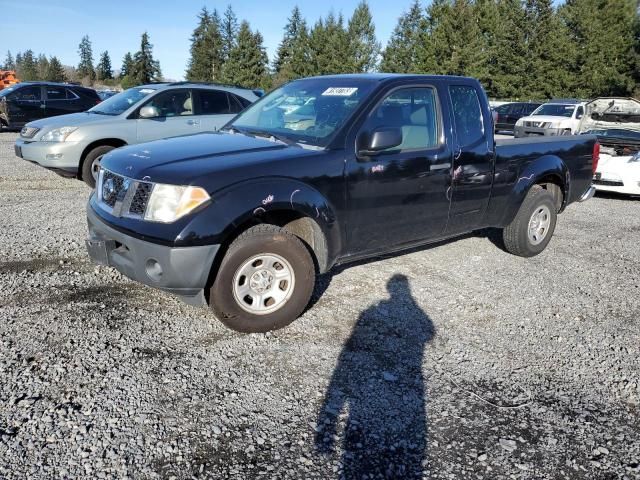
<point x="413" y="112"/>
<point x="172" y="103"/>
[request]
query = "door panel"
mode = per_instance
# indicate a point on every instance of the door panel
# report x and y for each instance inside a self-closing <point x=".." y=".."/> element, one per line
<point x="26" y="104"/>
<point x="473" y="161"/>
<point x="400" y="195"/>
<point x="175" y="118"/>
<point x="214" y="108"/>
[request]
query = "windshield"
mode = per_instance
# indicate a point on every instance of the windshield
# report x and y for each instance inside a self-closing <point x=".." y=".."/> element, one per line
<point x="121" y="102"/>
<point x="305" y="111"/>
<point x="6" y="91"/>
<point x="556" y="110"/>
<point x="618" y="133"/>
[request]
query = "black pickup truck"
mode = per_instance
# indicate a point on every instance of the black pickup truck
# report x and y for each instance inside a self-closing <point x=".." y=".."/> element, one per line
<point x="324" y="171"/>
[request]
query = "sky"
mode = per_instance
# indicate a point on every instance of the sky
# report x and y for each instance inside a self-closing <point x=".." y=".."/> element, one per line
<point x="55" y="27"/>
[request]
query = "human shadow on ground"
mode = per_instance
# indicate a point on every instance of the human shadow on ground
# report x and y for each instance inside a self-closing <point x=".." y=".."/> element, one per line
<point x="374" y="409"/>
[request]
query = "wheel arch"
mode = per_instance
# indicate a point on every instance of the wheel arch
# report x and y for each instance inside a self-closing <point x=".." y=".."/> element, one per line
<point x="112" y="142"/>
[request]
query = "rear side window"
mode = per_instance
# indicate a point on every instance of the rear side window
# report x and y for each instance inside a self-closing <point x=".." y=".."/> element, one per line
<point x="28" y="94"/>
<point x="467" y="115"/>
<point x="56" y="93"/>
<point x="412" y="110"/>
<point x="71" y="95"/>
<point x="530" y="108"/>
<point x="235" y="105"/>
<point x="243" y="101"/>
<point x="213" y="102"/>
<point x="503" y="109"/>
<point x="173" y="103"/>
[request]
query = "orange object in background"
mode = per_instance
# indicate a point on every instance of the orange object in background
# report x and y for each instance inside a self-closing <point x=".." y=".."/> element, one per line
<point x="7" y="78"/>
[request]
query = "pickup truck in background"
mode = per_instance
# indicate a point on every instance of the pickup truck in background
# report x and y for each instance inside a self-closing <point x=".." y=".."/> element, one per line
<point x="244" y="219"/>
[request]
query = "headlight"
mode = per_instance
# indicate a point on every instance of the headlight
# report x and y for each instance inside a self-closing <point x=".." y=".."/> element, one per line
<point x="58" y="134"/>
<point x="519" y="122"/>
<point x="170" y="202"/>
<point x="635" y="158"/>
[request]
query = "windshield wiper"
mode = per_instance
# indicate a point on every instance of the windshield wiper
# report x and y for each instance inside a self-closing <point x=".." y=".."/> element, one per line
<point x="265" y="134"/>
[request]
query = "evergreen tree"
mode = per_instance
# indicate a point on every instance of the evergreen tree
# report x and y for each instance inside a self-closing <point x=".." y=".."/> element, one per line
<point x="145" y="68"/>
<point x="206" y="48"/>
<point x="55" y="73"/>
<point x="363" y="46"/>
<point x="603" y="32"/>
<point x="127" y="65"/>
<point x="9" y="63"/>
<point x="292" y="57"/>
<point x="329" y="47"/>
<point x="42" y="67"/>
<point x="400" y="55"/>
<point x="247" y="65"/>
<point x="26" y="67"/>
<point x="229" y="32"/>
<point x="103" y="69"/>
<point x="85" y="67"/>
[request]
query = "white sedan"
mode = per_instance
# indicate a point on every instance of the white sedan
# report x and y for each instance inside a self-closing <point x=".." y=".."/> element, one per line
<point x="620" y="174"/>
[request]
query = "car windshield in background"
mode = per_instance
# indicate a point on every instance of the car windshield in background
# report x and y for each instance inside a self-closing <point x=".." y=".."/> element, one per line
<point x="616" y="133"/>
<point x="555" y="110"/>
<point x="305" y="111"/>
<point x="121" y="102"/>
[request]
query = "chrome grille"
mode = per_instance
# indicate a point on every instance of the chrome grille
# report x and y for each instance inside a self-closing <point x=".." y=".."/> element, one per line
<point x="122" y="196"/>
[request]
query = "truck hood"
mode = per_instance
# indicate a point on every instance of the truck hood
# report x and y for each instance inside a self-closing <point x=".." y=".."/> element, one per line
<point x="610" y="113"/>
<point x="71" y="120"/>
<point x="194" y="159"/>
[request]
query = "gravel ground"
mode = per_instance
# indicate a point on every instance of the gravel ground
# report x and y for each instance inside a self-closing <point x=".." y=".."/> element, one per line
<point x="459" y="361"/>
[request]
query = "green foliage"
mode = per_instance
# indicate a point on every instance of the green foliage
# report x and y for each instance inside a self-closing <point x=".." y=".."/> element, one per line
<point x="206" y="59"/>
<point x="229" y="32"/>
<point x="85" y="67"/>
<point x="127" y="65"/>
<point x="127" y="82"/>
<point x="26" y="67"/>
<point x="42" y="66"/>
<point x="400" y="55"/>
<point x="9" y="62"/>
<point x="55" y="72"/>
<point x="145" y="69"/>
<point x="103" y="69"/>
<point x="363" y="46"/>
<point x="292" y="58"/>
<point x="247" y="65"/>
<point x="329" y="47"/>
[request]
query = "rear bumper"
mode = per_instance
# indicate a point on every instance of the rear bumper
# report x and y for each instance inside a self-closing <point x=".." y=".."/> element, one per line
<point x="182" y="271"/>
<point x="588" y="194"/>
<point x="64" y="156"/>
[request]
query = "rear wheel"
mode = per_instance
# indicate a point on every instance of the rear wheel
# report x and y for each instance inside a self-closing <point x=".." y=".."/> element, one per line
<point x="91" y="164"/>
<point x="264" y="282"/>
<point x="532" y="228"/>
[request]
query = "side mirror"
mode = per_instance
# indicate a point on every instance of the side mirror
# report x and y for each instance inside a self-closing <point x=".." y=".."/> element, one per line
<point x="380" y="139"/>
<point x="149" y="111"/>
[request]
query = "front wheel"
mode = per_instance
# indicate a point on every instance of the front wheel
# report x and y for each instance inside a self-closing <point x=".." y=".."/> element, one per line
<point x="531" y="230"/>
<point x="91" y="164"/>
<point x="264" y="282"/>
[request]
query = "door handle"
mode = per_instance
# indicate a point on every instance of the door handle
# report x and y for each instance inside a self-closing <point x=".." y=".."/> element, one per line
<point x="42" y="105"/>
<point x="441" y="166"/>
<point x="193" y="122"/>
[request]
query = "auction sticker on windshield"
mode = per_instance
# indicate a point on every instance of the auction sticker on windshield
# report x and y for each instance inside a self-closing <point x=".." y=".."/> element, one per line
<point x="339" y="91"/>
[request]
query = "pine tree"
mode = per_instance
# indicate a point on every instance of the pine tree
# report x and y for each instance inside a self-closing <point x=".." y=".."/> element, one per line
<point x="400" y="55"/>
<point x="603" y="33"/>
<point x="206" y="48"/>
<point x="26" y="67"/>
<point x="292" y="57"/>
<point x="145" y="68"/>
<point x="55" y="73"/>
<point x="9" y="63"/>
<point x="85" y="67"/>
<point x="127" y="65"/>
<point x="229" y="32"/>
<point x="103" y="69"/>
<point x="329" y="47"/>
<point x="363" y="46"/>
<point x="42" y="67"/>
<point x="247" y="65"/>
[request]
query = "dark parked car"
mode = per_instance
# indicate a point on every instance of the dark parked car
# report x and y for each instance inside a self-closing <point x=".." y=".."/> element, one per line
<point x="508" y="114"/>
<point x="28" y="101"/>
<point x="243" y="219"/>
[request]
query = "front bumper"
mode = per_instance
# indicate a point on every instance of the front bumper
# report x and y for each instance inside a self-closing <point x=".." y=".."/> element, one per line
<point x="522" y="131"/>
<point x="183" y="271"/>
<point x="61" y="157"/>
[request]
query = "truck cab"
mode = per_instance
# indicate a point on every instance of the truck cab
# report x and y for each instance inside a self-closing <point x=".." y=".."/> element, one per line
<point x="324" y="171"/>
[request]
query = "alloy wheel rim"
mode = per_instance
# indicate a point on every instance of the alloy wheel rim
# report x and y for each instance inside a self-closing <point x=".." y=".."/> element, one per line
<point x="539" y="224"/>
<point x="95" y="167"/>
<point x="263" y="284"/>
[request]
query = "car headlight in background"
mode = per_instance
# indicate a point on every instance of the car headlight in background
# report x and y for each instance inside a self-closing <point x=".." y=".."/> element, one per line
<point x="170" y="202"/>
<point x="58" y="134"/>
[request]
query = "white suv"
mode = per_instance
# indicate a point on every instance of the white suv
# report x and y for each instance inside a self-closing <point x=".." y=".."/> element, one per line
<point x="553" y="118"/>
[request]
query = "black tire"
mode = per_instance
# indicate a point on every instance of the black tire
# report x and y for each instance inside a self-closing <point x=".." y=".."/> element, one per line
<point x="87" y="174"/>
<point x="516" y="235"/>
<point x="262" y="239"/>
